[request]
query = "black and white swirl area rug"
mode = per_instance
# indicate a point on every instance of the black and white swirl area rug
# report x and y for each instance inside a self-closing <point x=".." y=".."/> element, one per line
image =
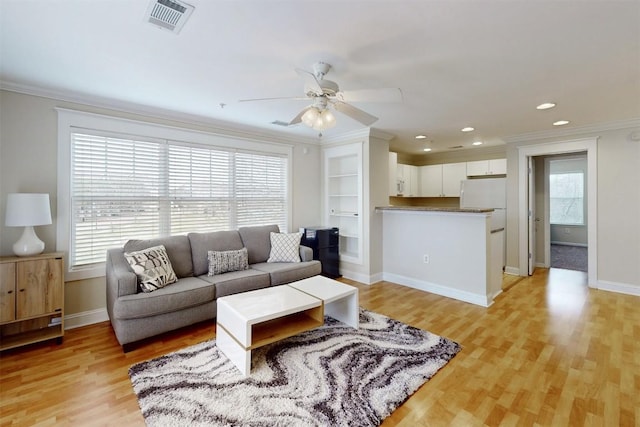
<point x="330" y="376"/>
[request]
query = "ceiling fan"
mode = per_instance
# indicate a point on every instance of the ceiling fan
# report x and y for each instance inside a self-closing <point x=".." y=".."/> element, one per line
<point x="324" y="93"/>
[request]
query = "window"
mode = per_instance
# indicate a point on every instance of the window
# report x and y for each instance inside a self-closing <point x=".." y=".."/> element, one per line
<point x="566" y="192"/>
<point x="122" y="187"/>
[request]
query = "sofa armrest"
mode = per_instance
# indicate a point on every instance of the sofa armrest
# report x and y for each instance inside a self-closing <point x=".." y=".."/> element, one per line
<point x="306" y="253"/>
<point x="119" y="277"/>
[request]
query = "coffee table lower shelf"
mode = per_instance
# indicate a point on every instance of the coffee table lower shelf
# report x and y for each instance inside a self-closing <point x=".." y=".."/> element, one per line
<point x="266" y="332"/>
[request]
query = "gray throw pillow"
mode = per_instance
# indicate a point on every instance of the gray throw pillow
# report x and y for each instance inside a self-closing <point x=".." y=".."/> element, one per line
<point x="225" y="261"/>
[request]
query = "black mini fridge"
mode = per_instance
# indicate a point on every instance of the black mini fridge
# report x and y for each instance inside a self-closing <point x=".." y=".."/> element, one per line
<point x="325" y="243"/>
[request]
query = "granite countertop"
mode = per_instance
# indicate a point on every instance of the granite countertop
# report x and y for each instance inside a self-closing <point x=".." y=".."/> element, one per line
<point x="432" y="209"/>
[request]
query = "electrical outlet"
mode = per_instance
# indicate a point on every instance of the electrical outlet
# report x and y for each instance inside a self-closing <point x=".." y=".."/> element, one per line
<point x="425" y="258"/>
<point x="567" y="231"/>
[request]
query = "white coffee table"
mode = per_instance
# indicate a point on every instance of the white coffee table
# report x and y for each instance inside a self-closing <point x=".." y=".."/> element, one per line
<point x="340" y="300"/>
<point x="253" y="319"/>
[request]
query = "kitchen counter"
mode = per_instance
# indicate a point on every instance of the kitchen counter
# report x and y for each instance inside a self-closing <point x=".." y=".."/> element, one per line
<point x="447" y="251"/>
<point x="432" y="209"/>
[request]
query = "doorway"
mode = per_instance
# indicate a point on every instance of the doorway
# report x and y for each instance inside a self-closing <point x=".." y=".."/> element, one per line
<point x="526" y="219"/>
<point x="560" y="211"/>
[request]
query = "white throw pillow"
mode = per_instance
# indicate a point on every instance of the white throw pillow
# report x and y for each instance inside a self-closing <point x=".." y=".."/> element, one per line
<point x="153" y="268"/>
<point x="225" y="261"/>
<point x="285" y="247"/>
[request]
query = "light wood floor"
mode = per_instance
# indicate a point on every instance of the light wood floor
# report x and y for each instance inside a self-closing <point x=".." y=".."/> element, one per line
<point x="549" y="352"/>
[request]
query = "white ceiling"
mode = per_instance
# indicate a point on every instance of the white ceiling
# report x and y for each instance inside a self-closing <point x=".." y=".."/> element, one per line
<point x="480" y="63"/>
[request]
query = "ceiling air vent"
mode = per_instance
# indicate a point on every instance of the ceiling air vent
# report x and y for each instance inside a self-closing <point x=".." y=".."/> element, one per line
<point x="455" y="147"/>
<point x="279" y="123"/>
<point x="168" y="14"/>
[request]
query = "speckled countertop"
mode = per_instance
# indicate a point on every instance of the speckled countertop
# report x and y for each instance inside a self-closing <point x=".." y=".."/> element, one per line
<point x="432" y="209"/>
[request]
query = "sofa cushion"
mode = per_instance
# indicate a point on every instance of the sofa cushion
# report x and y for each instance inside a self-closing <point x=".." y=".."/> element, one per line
<point x="185" y="293"/>
<point x="225" y="261"/>
<point x="178" y="250"/>
<point x="153" y="268"/>
<point x="283" y="273"/>
<point x="257" y="241"/>
<point x="202" y="243"/>
<point x="238" y="281"/>
<point x="285" y="247"/>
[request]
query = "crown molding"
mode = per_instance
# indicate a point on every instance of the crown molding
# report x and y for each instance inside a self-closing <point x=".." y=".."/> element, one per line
<point x="213" y="126"/>
<point x="580" y="130"/>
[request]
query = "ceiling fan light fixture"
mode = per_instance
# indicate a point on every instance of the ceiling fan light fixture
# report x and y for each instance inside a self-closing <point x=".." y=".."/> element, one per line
<point x="319" y="120"/>
<point x="310" y="116"/>
<point x="328" y="119"/>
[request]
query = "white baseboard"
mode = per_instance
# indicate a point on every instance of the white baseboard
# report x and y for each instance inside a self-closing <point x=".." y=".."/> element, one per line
<point x="444" y="291"/>
<point x="514" y="271"/>
<point x="621" y="288"/>
<point x="359" y="277"/>
<point x="85" y="318"/>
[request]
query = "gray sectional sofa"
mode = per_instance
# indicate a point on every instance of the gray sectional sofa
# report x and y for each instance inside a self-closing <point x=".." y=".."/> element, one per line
<point x="137" y="315"/>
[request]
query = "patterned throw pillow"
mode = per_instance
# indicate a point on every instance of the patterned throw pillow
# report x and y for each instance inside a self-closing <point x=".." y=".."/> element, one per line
<point x="153" y="268"/>
<point x="225" y="261"/>
<point x="285" y="247"/>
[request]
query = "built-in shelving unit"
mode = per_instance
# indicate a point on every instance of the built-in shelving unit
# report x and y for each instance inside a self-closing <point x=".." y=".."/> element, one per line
<point x="343" y="201"/>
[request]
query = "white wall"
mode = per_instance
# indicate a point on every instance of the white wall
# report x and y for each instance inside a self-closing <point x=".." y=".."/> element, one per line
<point x="28" y="156"/>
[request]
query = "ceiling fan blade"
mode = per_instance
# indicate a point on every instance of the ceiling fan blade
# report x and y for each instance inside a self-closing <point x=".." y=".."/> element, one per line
<point x="310" y="80"/>
<point x="275" y="99"/>
<point x="298" y="119"/>
<point x="392" y="94"/>
<point x="355" y="113"/>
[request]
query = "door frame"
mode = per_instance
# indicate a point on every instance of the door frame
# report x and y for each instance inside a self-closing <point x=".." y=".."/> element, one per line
<point x="589" y="145"/>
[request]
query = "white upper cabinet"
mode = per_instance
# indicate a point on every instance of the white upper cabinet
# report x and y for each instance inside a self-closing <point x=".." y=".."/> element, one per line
<point x="408" y="180"/>
<point x="442" y="180"/>
<point x="487" y="167"/>
<point x="393" y="177"/>
<point x="452" y="175"/>
<point x="431" y="181"/>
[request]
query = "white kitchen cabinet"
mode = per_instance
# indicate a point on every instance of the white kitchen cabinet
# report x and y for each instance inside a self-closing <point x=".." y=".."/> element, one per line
<point x="442" y="180"/>
<point x="452" y="174"/>
<point x="393" y="174"/>
<point x="408" y="180"/>
<point x="487" y="167"/>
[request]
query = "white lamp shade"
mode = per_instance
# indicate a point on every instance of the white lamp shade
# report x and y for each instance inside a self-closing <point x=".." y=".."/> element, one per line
<point x="27" y="209"/>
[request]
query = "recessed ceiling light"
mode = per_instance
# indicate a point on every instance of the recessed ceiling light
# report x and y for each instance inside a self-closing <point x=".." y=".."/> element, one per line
<point x="426" y="149"/>
<point x="546" y="106"/>
<point x="467" y="129"/>
<point x="421" y="136"/>
<point x="561" y="122"/>
<point x="477" y="143"/>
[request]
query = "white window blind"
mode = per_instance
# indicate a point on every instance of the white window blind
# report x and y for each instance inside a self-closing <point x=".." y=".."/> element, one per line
<point x="135" y="188"/>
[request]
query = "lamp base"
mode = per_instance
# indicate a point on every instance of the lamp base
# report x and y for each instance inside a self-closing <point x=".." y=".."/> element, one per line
<point x="29" y="244"/>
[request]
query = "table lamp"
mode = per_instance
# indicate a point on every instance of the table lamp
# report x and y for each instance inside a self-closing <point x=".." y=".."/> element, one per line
<point x="26" y="210"/>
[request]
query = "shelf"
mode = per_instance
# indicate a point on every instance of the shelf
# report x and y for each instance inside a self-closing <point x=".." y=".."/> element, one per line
<point x="29" y="337"/>
<point x="287" y="326"/>
<point x="346" y="175"/>
<point x="345" y="214"/>
<point x="349" y="236"/>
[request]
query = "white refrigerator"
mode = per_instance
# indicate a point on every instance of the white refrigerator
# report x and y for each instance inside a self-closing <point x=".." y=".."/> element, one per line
<point x="488" y="193"/>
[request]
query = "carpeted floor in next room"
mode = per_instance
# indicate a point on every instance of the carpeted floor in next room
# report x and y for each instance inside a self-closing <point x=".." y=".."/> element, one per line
<point x="569" y="257"/>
